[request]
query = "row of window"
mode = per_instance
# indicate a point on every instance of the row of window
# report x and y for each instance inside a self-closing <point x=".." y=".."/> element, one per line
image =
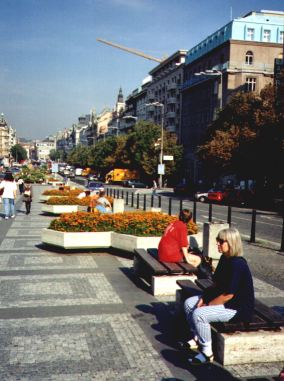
<point x="266" y="35"/>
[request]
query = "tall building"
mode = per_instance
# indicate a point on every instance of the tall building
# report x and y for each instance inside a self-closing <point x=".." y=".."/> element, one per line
<point x="7" y="139"/>
<point x="164" y="88"/>
<point x="237" y="57"/>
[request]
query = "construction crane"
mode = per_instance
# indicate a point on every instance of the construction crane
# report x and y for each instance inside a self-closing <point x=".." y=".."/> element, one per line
<point x="129" y="50"/>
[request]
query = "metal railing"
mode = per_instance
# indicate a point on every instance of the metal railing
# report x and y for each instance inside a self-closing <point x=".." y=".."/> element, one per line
<point x="134" y="201"/>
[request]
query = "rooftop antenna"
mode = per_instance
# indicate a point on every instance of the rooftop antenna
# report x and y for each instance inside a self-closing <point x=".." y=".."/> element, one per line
<point x="231" y="13"/>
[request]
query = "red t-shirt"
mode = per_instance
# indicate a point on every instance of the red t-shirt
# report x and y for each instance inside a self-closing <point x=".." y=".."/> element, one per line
<point x="174" y="238"/>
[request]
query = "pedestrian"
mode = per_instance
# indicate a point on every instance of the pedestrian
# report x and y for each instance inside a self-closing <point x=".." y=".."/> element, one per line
<point x="231" y="297"/>
<point x="93" y="201"/>
<point x="21" y="185"/>
<point x="173" y="246"/>
<point x="9" y="194"/>
<point x="27" y="198"/>
<point x="103" y="204"/>
<point x="154" y="188"/>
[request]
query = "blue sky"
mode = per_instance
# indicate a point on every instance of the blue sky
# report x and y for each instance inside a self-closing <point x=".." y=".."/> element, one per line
<point x="53" y="70"/>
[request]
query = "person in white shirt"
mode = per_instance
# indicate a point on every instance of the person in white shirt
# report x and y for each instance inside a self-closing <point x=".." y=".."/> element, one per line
<point x="9" y="194"/>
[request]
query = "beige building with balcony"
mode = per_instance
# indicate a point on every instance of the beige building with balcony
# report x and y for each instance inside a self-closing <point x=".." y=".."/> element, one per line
<point x="238" y="57"/>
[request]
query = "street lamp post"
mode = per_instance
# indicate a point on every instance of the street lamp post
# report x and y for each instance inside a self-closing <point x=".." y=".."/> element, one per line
<point x="158" y="104"/>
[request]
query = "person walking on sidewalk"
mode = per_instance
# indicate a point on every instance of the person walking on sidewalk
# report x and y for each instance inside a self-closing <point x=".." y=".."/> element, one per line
<point x="231" y="298"/>
<point x="9" y="194"/>
<point x="21" y="185"/>
<point x="27" y="198"/>
<point x="154" y="187"/>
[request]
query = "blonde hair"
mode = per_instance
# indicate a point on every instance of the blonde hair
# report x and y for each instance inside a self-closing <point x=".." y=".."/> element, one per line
<point x="233" y="237"/>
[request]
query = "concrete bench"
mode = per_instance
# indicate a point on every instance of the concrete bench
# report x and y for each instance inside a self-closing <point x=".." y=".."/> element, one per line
<point x="162" y="276"/>
<point x="261" y="340"/>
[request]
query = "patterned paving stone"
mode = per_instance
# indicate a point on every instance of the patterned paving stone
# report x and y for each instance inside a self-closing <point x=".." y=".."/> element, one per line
<point x="46" y="261"/>
<point x="255" y="370"/>
<point x="265" y="290"/>
<point x="56" y="290"/>
<point x="19" y="244"/>
<point x="24" y="232"/>
<point x="102" y="348"/>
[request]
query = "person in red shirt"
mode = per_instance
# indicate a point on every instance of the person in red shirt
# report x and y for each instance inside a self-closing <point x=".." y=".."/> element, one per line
<point x="173" y="246"/>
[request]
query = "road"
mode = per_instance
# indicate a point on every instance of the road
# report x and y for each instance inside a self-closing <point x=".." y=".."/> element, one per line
<point x="269" y="225"/>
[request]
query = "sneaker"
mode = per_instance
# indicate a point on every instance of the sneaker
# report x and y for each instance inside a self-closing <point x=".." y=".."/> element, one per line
<point x="13" y="216"/>
<point x="6" y="218"/>
<point x="191" y="345"/>
<point x="200" y="359"/>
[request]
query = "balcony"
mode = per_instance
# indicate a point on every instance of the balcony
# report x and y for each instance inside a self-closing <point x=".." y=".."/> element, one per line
<point x="172" y="86"/>
<point x="172" y="100"/>
<point x="171" y="114"/>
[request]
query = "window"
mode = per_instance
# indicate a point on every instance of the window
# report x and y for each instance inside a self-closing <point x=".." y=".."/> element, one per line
<point x="266" y="35"/>
<point x="281" y="37"/>
<point x="250" y="34"/>
<point x="250" y="84"/>
<point x="249" y="58"/>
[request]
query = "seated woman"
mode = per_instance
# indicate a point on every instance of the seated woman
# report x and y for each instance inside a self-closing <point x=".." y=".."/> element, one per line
<point x="103" y="204"/>
<point x="173" y="246"/>
<point x="231" y="298"/>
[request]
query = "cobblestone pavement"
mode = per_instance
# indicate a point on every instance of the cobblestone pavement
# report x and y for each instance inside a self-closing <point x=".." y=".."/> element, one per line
<point x="83" y="316"/>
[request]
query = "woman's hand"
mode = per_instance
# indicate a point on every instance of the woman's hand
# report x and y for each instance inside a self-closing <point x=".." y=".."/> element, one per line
<point x="201" y="303"/>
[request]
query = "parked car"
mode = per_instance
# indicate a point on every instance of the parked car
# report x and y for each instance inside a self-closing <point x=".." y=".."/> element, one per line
<point x="202" y="196"/>
<point x="134" y="184"/>
<point x="95" y="186"/>
<point x="219" y="195"/>
<point x="93" y="178"/>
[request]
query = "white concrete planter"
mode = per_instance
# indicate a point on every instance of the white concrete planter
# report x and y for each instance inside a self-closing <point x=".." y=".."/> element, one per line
<point x="45" y="197"/>
<point x="94" y="240"/>
<point x="82" y="240"/>
<point x="59" y="209"/>
<point x="56" y="183"/>
<point x="130" y="242"/>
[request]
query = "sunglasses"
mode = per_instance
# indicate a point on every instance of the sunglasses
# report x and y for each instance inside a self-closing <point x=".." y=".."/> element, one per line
<point x="220" y="241"/>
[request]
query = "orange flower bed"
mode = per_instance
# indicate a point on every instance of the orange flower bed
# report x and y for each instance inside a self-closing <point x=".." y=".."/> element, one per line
<point x="85" y="201"/>
<point x="57" y="192"/>
<point x="69" y="201"/>
<point x="143" y="224"/>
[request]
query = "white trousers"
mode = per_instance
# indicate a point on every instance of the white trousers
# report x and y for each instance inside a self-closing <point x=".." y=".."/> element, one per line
<point x="199" y="320"/>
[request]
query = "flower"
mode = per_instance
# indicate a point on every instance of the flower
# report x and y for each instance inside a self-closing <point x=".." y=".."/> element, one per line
<point x="141" y="224"/>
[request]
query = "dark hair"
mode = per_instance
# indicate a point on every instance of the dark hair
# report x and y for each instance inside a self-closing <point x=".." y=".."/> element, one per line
<point x="8" y="176"/>
<point x="185" y="215"/>
<point x="102" y="193"/>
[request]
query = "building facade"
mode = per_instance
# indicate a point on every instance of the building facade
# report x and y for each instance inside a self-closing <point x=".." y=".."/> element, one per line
<point x="237" y="57"/>
<point x="44" y="147"/>
<point x="7" y="139"/>
<point x="164" y="88"/>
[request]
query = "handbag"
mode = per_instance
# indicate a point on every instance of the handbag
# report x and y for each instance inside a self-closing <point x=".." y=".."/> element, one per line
<point x="205" y="269"/>
<point x="1" y="191"/>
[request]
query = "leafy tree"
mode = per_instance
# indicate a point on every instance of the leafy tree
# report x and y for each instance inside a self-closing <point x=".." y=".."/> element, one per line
<point x="244" y="139"/>
<point x="100" y="152"/>
<point x="19" y="153"/>
<point x="79" y="156"/>
<point x="54" y="154"/>
<point x="137" y="150"/>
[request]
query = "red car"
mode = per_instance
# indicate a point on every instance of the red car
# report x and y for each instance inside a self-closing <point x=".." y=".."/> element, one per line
<point x="217" y="196"/>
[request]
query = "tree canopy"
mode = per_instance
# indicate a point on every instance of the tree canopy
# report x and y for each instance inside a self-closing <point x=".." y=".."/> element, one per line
<point x="245" y="139"/>
<point x="139" y="150"/>
<point x="19" y="153"/>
